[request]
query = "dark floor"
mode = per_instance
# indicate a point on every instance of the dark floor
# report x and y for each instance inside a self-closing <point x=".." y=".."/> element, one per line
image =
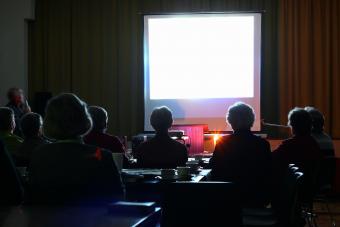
<point x="323" y="218"/>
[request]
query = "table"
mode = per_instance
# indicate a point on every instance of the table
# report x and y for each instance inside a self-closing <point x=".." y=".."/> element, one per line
<point x="153" y="174"/>
<point x="144" y="184"/>
<point x="37" y="216"/>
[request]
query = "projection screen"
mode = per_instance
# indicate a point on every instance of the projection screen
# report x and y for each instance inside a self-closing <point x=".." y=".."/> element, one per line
<point x="200" y="64"/>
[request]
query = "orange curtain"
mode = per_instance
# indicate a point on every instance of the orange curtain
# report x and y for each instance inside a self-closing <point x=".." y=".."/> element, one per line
<point x="309" y="58"/>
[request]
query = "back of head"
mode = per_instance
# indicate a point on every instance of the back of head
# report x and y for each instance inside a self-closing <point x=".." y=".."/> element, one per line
<point x="161" y="119"/>
<point x="241" y="116"/>
<point x="7" y="122"/>
<point x="31" y="124"/>
<point x="318" y="119"/>
<point x="99" y="118"/>
<point x="300" y="121"/>
<point x="66" y="117"/>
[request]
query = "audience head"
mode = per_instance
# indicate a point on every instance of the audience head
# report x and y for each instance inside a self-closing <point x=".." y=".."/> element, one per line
<point x="7" y="122"/>
<point x="241" y="116"/>
<point x="15" y="95"/>
<point x="31" y="125"/>
<point x="300" y="121"/>
<point x="318" y="120"/>
<point x="66" y="117"/>
<point x="161" y="119"/>
<point x="99" y="118"/>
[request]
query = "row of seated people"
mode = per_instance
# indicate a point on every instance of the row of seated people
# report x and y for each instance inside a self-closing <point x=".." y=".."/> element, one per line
<point x="68" y="170"/>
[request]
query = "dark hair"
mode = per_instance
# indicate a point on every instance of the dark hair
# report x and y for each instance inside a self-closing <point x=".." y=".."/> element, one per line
<point x="6" y="119"/>
<point x="318" y="119"/>
<point x="66" y="117"/>
<point x="31" y="124"/>
<point x="241" y="116"/>
<point x="300" y="120"/>
<point x="161" y="118"/>
<point x="99" y="117"/>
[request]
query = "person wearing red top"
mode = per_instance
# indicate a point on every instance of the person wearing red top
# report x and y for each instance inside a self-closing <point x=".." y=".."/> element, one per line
<point x="98" y="136"/>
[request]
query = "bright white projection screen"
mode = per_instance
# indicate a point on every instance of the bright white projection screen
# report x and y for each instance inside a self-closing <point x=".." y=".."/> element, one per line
<point x="200" y="64"/>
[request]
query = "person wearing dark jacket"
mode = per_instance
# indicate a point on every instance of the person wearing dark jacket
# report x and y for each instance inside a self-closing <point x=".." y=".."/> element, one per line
<point x="301" y="149"/>
<point x="98" y="135"/>
<point x="69" y="171"/>
<point x="323" y="139"/>
<point x="244" y="158"/>
<point x="161" y="151"/>
<point x="11" y="187"/>
<point x="11" y="141"/>
<point x="31" y="127"/>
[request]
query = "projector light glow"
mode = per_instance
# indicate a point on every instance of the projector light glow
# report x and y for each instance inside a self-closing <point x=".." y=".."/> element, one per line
<point x="199" y="64"/>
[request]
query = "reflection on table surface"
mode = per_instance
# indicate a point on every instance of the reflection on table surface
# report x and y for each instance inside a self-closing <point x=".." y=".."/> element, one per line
<point x="41" y="216"/>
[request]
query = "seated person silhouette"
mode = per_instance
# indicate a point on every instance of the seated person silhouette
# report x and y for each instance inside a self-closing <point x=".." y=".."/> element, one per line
<point x="98" y="135"/>
<point x="301" y="149"/>
<point x="18" y="103"/>
<point x="100" y="138"/>
<point x="243" y="158"/>
<point x="31" y="128"/>
<point x="327" y="169"/>
<point x="325" y="141"/>
<point x="7" y="126"/>
<point x="161" y="151"/>
<point x="69" y="171"/>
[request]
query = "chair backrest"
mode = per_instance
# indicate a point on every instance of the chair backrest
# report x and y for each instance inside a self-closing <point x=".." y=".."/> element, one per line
<point x="201" y="204"/>
<point x="327" y="171"/>
<point x="289" y="207"/>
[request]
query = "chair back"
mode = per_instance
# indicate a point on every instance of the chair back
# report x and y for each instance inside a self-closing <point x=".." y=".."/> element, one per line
<point x="289" y="207"/>
<point x="201" y="204"/>
<point x="327" y="171"/>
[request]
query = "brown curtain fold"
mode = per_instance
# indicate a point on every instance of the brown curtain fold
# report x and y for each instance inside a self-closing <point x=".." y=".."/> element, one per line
<point x="94" y="49"/>
<point x="309" y="63"/>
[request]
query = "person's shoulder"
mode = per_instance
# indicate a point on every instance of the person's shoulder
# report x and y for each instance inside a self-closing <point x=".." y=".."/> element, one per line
<point x="261" y="140"/>
<point x="145" y="147"/>
<point x="289" y="141"/>
<point x="285" y="145"/>
<point x="323" y="136"/>
<point x="112" y="137"/>
<point x="179" y="145"/>
<point x="225" y="138"/>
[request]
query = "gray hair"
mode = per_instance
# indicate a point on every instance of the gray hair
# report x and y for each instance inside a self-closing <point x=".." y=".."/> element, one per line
<point x="31" y="124"/>
<point x="300" y="121"/>
<point x="161" y="118"/>
<point x="99" y="118"/>
<point x="66" y="117"/>
<point x="318" y="119"/>
<point x="240" y="116"/>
